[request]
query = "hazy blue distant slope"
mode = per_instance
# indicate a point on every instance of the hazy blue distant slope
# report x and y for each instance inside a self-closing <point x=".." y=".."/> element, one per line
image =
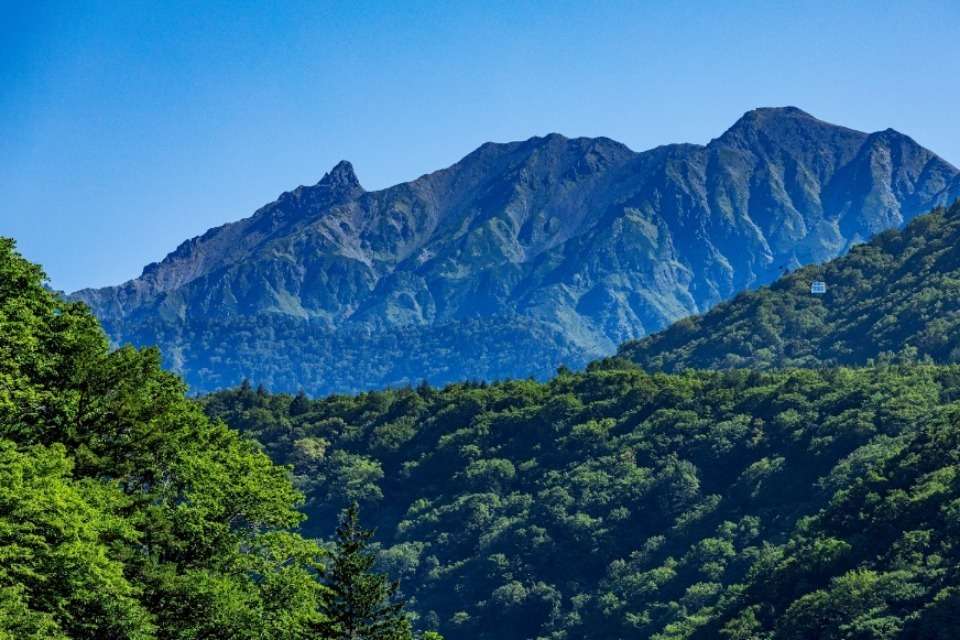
<point x="518" y="258"/>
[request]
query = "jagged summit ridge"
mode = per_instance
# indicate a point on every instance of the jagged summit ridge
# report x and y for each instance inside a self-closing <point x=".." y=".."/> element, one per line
<point x="341" y="177"/>
<point x="569" y="246"/>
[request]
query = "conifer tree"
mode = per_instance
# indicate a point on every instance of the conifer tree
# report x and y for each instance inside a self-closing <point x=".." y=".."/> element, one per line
<point x="363" y="604"/>
<point x="300" y="404"/>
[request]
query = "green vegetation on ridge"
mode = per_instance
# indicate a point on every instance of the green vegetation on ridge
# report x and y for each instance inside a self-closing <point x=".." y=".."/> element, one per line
<point x="897" y="296"/>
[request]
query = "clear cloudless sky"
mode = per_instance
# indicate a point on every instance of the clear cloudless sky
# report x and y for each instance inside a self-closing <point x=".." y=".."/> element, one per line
<point x="127" y="127"/>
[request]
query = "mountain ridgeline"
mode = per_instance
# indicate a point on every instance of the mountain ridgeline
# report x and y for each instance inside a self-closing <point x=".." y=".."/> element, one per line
<point x="518" y="258"/>
<point x="896" y="298"/>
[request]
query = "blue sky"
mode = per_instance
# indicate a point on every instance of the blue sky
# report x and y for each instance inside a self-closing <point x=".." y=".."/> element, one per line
<point x="127" y="127"/>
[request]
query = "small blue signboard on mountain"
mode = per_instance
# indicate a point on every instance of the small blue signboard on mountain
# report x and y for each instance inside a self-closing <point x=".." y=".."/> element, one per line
<point x="818" y="287"/>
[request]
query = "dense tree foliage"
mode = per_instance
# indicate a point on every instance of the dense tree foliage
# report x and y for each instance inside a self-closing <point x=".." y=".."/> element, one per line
<point x="125" y="513"/>
<point x="617" y="503"/>
<point x="894" y="298"/>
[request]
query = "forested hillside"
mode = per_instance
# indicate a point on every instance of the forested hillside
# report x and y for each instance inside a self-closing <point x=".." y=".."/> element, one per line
<point x="125" y="513"/>
<point x="894" y="298"/>
<point x="747" y="505"/>
<point x="617" y="503"/>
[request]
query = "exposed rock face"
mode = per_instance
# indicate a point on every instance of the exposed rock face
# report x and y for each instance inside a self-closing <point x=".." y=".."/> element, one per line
<point x="518" y="258"/>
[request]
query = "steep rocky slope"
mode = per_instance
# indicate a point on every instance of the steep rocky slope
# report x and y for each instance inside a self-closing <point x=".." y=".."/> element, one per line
<point x="895" y="298"/>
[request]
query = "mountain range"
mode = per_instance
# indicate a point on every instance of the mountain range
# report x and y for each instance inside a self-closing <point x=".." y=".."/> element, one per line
<point x="518" y="258"/>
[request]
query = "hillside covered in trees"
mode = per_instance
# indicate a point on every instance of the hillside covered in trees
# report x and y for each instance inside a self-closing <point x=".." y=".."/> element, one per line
<point x="897" y="296"/>
<point x="126" y="514"/>
<point x="742" y="504"/>
<point x="617" y="503"/>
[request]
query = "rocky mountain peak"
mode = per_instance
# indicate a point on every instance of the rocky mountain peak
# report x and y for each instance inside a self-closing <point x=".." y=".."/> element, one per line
<point x="341" y="178"/>
<point x="338" y="185"/>
<point x="762" y="117"/>
<point x="778" y="123"/>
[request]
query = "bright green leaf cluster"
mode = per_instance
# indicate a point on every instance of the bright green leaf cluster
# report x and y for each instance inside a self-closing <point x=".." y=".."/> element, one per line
<point x="125" y="513"/>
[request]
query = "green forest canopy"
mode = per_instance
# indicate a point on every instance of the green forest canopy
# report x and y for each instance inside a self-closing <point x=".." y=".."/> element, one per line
<point x="125" y="513"/>
<point x="617" y="503"/>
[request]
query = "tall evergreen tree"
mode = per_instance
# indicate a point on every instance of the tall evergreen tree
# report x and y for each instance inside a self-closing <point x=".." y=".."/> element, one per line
<point x="300" y="404"/>
<point x="363" y="604"/>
